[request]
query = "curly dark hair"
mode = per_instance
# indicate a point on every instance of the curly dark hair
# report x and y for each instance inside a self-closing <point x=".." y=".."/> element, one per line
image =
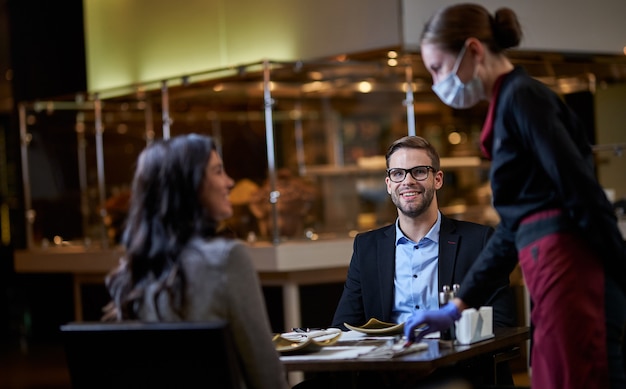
<point x="165" y="213"/>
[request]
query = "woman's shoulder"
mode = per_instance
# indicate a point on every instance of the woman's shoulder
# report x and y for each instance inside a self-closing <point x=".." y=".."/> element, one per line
<point x="217" y="242"/>
<point x="216" y="251"/>
<point x="519" y="84"/>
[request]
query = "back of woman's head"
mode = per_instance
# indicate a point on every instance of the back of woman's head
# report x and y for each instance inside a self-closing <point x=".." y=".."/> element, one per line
<point x="184" y="170"/>
<point x="145" y="197"/>
<point x="450" y="27"/>
<point x="165" y="213"/>
<point x="165" y="209"/>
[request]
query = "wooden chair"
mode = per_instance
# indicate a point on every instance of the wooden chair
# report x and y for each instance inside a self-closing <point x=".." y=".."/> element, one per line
<point x="151" y="355"/>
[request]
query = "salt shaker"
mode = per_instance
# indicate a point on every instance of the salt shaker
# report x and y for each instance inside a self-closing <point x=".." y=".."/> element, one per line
<point x="445" y="296"/>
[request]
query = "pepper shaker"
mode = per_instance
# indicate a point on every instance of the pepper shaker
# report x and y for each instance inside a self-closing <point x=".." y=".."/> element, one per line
<point x="445" y="296"/>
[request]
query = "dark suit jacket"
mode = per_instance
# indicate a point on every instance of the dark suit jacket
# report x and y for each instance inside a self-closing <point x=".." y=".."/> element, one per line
<point x="369" y="288"/>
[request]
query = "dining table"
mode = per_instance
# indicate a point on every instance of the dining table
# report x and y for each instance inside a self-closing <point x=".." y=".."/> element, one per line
<point x="433" y="355"/>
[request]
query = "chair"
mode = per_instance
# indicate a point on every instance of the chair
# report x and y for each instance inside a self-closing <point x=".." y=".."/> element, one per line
<point x="151" y="355"/>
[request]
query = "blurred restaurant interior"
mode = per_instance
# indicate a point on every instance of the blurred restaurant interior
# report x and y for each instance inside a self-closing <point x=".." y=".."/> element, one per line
<point x="303" y="98"/>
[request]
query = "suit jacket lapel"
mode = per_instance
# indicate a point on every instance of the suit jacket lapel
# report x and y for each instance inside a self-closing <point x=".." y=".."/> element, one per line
<point x="386" y="257"/>
<point x="448" y="249"/>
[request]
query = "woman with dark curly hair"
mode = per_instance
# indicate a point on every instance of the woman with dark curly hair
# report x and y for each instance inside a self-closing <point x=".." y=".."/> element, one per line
<point x="176" y="267"/>
<point x="554" y="215"/>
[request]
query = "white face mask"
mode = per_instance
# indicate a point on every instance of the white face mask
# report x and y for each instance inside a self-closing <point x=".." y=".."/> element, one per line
<point x="453" y="92"/>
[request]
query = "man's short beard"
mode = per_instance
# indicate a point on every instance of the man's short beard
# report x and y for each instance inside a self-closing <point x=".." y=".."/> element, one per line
<point x="413" y="213"/>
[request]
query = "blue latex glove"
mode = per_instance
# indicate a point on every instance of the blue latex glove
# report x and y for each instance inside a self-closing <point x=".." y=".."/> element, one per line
<point x="430" y="321"/>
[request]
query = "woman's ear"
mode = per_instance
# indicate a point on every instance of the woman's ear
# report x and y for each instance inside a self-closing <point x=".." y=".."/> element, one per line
<point x="476" y="49"/>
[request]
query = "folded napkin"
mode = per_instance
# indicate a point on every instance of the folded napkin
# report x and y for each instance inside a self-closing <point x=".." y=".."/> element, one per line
<point x="474" y="325"/>
<point x="318" y="335"/>
<point x="355" y="335"/>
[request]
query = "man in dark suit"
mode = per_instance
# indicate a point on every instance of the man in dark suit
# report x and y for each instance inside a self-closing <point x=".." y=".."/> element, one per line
<point x="369" y="289"/>
<point x="398" y="269"/>
<point x="424" y="244"/>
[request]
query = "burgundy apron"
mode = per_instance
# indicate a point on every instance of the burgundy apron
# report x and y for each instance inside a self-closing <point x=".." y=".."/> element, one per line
<point x="565" y="280"/>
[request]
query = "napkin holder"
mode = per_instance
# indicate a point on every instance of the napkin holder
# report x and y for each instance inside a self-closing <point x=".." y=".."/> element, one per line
<point x="474" y="325"/>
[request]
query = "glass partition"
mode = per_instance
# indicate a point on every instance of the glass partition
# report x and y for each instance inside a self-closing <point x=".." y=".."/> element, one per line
<point x="77" y="164"/>
<point x="304" y="142"/>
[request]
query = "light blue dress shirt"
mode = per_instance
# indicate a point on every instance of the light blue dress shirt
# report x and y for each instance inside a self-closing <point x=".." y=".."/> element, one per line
<point x="416" y="277"/>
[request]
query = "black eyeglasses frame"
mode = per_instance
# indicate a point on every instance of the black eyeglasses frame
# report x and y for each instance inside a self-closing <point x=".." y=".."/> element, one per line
<point x="410" y="171"/>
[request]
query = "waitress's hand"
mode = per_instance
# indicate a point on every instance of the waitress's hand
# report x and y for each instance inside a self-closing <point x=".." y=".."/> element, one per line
<point x="430" y="321"/>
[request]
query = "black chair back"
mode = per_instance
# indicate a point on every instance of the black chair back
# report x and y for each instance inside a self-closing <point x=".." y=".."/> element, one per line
<point x="151" y="355"/>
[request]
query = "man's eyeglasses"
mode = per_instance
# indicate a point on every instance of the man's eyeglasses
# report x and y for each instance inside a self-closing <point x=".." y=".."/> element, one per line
<point x="420" y="173"/>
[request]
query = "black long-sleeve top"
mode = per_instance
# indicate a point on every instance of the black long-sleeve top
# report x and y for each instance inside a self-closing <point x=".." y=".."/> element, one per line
<point x="541" y="159"/>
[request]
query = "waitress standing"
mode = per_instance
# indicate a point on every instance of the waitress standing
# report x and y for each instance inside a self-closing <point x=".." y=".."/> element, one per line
<point x="554" y="213"/>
